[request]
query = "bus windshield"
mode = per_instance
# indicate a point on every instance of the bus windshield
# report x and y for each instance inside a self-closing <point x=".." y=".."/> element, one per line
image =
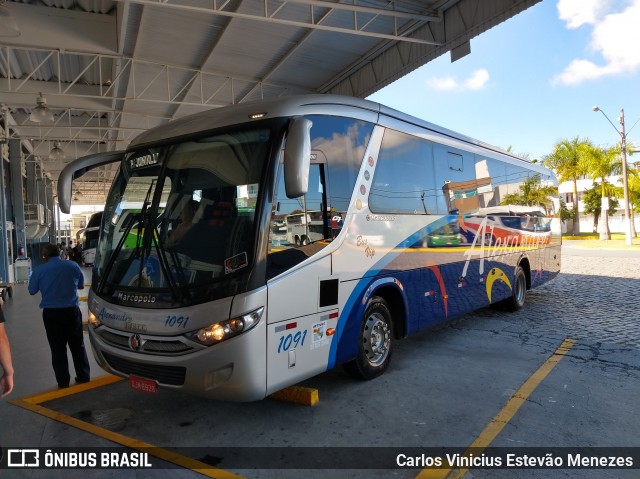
<point x="180" y="218"/>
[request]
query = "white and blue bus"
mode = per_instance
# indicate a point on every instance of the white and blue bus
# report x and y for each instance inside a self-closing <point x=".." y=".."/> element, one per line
<point x="194" y="289"/>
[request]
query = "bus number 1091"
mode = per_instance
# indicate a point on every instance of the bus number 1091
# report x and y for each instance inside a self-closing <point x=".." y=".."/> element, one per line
<point x="289" y="340"/>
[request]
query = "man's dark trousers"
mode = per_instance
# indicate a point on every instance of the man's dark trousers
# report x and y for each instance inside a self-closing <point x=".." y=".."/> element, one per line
<point x="64" y="326"/>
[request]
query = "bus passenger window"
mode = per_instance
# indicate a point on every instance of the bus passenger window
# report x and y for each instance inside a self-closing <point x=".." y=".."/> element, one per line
<point x="403" y="181"/>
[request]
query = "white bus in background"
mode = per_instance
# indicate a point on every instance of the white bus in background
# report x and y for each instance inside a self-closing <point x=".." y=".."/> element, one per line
<point x="231" y="311"/>
<point x="305" y="228"/>
<point x="89" y="239"/>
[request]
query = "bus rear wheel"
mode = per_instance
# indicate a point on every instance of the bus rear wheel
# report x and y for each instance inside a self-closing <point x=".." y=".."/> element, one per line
<point x="519" y="291"/>
<point x="375" y="341"/>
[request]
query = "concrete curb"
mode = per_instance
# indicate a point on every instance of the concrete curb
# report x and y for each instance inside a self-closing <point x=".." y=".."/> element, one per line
<point x="602" y="245"/>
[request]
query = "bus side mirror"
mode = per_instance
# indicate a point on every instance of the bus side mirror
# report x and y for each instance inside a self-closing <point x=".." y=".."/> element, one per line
<point x="76" y="169"/>
<point x="297" y="158"/>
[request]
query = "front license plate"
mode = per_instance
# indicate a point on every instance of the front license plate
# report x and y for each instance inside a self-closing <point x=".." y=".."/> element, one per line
<point x="142" y="384"/>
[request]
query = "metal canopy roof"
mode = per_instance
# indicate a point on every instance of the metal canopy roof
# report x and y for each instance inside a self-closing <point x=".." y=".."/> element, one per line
<point x="109" y="69"/>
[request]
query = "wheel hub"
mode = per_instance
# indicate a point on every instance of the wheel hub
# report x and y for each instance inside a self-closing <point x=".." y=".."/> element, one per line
<point x="377" y="339"/>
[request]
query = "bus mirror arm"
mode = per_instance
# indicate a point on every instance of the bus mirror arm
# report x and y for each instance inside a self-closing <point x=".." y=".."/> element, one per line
<point x="76" y="169"/>
<point x="297" y="157"/>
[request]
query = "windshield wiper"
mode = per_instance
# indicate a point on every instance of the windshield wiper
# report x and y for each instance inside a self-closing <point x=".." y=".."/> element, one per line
<point x="116" y="251"/>
<point x="149" y="238"/>
<point x="179" y="290"/>
<point x="143" y="234"/>
<point x="146" y="227"/>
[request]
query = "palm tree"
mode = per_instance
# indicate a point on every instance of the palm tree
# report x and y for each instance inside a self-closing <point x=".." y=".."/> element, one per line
<point x="531" y="193"/>
<point x="601" y="163"/>
<point x="567" y="160"/>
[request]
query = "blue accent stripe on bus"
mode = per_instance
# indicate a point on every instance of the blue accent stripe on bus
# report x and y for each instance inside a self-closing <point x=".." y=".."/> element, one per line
<point x="371" y="275"/>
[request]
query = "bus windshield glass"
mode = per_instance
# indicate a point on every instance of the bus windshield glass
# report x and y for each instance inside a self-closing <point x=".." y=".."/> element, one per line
<point x="180" y="219"/>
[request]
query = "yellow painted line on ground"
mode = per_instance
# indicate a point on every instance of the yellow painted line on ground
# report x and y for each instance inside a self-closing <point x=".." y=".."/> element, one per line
<point x="71" y="390"/>
<point x="505" y="415"/>
<point x="298" y="395"/>
<point x="83" y="298"/>
<point x="33" y="403"/>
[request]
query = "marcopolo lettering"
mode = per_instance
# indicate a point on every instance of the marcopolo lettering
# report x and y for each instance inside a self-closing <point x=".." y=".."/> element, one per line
<point x="374" y="217"/>
<point x="136" y="298"/>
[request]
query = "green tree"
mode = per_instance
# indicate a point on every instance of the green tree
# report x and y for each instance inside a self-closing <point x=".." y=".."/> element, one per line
<point x="567" y="160"/>
<point x="565" y="213"/>
<point x="601" y="163"/>
<point x="633" y="180"/>
<point x="532" y="193"/>
<point x="592" y="201"/>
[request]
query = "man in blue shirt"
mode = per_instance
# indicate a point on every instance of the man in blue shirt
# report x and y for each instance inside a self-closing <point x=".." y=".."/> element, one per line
<point x="58" y="281"/>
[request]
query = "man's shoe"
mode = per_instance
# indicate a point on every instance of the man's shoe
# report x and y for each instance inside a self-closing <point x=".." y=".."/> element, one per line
<point x="82" y="381"/>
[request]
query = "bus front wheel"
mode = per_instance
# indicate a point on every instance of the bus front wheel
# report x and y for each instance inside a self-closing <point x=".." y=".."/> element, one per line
<point x="375" y="341"/>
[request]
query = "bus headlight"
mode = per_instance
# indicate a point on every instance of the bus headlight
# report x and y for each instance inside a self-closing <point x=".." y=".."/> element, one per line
<point x="222" y="330"/>
<point x="93" y="320"/>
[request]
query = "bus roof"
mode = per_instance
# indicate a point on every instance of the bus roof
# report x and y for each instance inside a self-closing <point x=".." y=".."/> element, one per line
<point x="246" y="112"/>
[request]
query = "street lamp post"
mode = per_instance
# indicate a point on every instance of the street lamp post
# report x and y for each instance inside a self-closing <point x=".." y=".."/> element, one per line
<point x="625" y="182"/>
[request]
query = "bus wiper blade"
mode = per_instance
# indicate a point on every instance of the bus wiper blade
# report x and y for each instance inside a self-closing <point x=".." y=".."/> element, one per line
<point x="149" y="240"/>
<point x="143" y="245"/>
<point x="177" y="292"/>
<point x="116" y="251"/>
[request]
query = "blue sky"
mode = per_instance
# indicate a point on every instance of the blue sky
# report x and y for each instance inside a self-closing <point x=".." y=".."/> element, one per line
<point x="534" y="79"/>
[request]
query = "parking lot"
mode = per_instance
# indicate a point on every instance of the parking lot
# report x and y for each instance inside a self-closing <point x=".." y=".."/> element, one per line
<point x="571" y="358"/>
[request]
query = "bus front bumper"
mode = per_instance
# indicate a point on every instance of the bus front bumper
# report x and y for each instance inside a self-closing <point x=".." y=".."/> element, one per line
<point x="233" y="370"/>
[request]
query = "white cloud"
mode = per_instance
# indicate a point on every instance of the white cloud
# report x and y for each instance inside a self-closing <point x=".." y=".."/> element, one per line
<point x="618" y="38"/>
<point x="615" y="38"/>
<point x="476" y="81"/>
<point x="579" y="71"/>
<point x="443" y="83"/>
<point x="578" y="12"/>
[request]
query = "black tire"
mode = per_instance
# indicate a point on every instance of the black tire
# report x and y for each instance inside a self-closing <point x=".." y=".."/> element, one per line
<point x="10" y="291"/>
<point x="375" y="341"/>
<point x="3" y="294"/>
<point x="518" y="291"/>
<point x="488" y="239"/>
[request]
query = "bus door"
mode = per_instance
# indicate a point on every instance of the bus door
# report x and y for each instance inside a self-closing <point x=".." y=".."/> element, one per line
<point x="302" y="294"/>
